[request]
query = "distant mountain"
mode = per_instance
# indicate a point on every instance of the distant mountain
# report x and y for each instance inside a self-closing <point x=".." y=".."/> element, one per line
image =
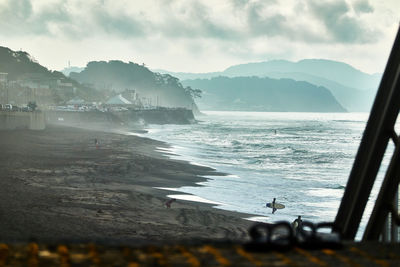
<point x="67" y="71"/>
<point x="355" y="90"/>
<point x="191" y="75"/>
<point x="352" y="99"/>
<point x="328" y="69"/>
<point x="263" y="94"/>
<point x="158" y="89"/>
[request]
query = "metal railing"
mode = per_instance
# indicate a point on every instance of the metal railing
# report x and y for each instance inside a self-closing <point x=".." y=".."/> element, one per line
<point x="378" y="133"/>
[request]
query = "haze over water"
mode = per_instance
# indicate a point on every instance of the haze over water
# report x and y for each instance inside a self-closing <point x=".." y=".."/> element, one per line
<point x="302" y="159"/>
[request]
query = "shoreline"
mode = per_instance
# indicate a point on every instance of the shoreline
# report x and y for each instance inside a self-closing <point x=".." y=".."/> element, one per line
<point x="58" y="186"/>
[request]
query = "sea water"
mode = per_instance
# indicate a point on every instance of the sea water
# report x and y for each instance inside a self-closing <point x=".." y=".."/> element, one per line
<point x="301" y="159"/>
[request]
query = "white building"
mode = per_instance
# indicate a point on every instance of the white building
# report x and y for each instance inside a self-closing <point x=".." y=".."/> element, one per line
<point x="118" y="100"/>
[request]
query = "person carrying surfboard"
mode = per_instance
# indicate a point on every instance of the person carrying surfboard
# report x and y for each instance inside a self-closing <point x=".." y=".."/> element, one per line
<point x="274" y="206"/>
<point x="271" y="205"/>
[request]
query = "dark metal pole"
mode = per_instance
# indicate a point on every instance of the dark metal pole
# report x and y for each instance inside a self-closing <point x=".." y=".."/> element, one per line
<point x="385" y="199"/>
<point x="393" y="224"/>
<point x="371" y="150"/>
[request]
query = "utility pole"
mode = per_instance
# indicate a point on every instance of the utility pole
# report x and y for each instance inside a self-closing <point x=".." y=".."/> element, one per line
<point x="6" y="85"/>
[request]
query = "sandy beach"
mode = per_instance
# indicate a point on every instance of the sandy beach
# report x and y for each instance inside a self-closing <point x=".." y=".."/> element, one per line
<point x="56" y="186"/>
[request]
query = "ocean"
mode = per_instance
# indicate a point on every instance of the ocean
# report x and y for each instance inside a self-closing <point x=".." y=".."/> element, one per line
<point x="301" y="159"/>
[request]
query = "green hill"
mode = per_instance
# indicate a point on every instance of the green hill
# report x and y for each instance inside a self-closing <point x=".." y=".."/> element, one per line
<point x="23" y="69"/>
<point x="159" y="89"/>
<point x="19" y="63"/>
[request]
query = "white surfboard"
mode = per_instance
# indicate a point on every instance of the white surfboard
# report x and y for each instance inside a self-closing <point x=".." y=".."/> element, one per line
<point x="277" y="205"/>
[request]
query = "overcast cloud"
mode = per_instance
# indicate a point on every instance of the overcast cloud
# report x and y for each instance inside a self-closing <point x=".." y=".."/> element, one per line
<point x="191" y="35"/>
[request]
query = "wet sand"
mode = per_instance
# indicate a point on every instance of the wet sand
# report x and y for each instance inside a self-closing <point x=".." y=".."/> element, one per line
<point x="56" y="186"/>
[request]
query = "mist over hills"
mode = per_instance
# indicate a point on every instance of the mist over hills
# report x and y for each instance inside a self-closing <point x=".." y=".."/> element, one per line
<point x="159" y="89"/>
<point x="98" y="82"/>
<point x="263" y="94"/>
<point x="355" y="90"/>
<point x="328" y="69"/>
<point x="286" y="89"/>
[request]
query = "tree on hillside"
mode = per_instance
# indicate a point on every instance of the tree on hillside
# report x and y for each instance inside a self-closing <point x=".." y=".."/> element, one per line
<point x="194" y="93"/>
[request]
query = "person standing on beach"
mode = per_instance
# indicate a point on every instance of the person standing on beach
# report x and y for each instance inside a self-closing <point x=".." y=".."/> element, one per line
<point x="169" y="202"/>
<point x="297" y="224"/>
<point x="96" y="143"/>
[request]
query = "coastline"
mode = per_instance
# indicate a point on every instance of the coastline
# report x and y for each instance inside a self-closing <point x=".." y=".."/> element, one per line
<point x="57" y="186"/>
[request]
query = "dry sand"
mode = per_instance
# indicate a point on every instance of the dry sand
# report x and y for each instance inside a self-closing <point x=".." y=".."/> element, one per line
<point x="56" y="186"/>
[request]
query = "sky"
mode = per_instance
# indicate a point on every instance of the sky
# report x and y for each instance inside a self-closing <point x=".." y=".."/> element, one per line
<point x="200" y="36"/>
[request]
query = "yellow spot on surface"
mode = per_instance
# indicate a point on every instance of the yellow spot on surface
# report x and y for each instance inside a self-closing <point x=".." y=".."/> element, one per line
<point x="248" y="256"/>
<point x="93" y="254"/>
<point x="366" y="255"/>
<point x="285" y="259"/>
<point x="340" y="257"/>
<point x="192" y="260"/>
<point x="159" y="256"/>
<point x="218" y="256"/>
<point x="3" y="254"/>
<point x="64" y="255"/>
<point x="33" y="252"/>
<point x="310" y="257"/>
<point x="33" y="249"/>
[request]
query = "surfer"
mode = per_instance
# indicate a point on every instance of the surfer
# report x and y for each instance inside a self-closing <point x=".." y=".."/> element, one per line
<point x="273" y="206"/>
<point x="296" y="224"/>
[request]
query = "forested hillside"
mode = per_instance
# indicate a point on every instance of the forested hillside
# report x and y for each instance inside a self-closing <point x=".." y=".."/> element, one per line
<point x="19" y="63"/>
<point x="160" y="89"/>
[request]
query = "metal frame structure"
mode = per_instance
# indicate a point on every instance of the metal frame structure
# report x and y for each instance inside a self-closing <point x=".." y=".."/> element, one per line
<point x="378" y="133"/>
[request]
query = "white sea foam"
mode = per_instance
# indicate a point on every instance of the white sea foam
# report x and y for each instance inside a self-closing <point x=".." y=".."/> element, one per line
<point x="304" y="164"/>
<point x="193" y="198"/>
<point x="257" y="219"/>
<point x="167" y="188"/>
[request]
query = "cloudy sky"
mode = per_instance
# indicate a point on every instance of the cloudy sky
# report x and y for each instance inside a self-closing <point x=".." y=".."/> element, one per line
<point x="200" y="36"/>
